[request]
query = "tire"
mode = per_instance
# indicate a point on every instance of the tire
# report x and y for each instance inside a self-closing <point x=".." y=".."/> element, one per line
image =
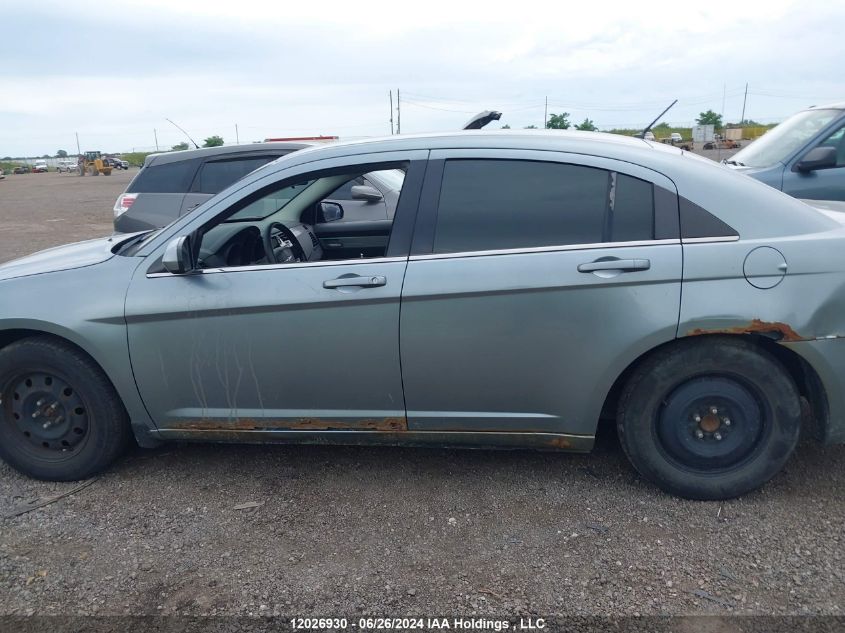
<point x="748" y="418"/>
<point x="81" y="435"/>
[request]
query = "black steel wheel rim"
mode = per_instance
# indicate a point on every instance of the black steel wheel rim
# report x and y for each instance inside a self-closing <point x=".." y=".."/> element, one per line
<point x="45" y="415"/>
<point x="711" y="424"/>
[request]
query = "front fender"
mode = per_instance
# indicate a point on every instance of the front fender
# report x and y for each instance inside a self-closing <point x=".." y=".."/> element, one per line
<point x="86" y="308"/>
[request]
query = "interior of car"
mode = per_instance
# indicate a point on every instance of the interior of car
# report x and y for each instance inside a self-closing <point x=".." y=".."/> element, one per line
<point x="292" y="223"/>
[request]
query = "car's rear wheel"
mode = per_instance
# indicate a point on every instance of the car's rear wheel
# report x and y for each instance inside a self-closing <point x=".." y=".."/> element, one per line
<point x="60" y="417"/>
<point x="709" y="418"/>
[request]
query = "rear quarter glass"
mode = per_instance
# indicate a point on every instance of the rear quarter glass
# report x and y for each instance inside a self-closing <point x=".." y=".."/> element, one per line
<point x="166" y="178"/>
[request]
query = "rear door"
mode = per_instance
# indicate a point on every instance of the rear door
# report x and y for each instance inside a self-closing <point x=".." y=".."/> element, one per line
<point x="535" y="279"/>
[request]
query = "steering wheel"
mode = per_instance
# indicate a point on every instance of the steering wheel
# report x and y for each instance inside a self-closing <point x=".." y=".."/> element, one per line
<point x="291" y="250"/>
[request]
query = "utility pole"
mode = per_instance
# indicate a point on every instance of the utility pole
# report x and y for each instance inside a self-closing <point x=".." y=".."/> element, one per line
<point x="78" y="151"/>
<point x="742" y="118"/>
<point x="546" y="113"/>
<point x="398" y="113"/>
<point x="237" y="138"/>
<point x="155" y="134"/>
<point x="391" y="113"/>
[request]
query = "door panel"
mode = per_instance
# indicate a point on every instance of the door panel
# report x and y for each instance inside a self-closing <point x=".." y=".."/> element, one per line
<point x="517" y="338"/>
<point x="269" y="347"/>
<point x="284" y="347"/>
<point x="525" y="342"/>
<point x="824" y="184"/>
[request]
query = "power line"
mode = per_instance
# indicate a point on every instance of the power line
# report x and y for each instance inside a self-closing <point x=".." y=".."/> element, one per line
<point x="430" y="107"/>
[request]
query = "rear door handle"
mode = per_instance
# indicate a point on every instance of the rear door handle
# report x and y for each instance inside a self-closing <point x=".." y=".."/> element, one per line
<point x="625" y="265"/>
<point x="356" y="280"/>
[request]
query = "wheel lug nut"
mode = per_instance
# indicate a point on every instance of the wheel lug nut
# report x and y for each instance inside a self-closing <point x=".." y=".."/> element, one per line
<point x="697" y="418"/>
<point x="40" y="402"/>
<point x="714" y="410"/>
<point x="699" y="434"/>
<point x="35" y="414"/>
<point x="726" y="421"/>
<point x="717" y="436"/>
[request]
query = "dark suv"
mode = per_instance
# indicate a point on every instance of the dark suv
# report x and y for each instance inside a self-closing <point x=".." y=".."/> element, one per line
<point x="171" y="184"/>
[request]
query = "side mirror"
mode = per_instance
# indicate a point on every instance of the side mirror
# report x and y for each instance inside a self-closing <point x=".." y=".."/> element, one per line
<point x="366" y="192"/>
<point x="178" y="257"/>
<point x="329" y="212"/>
<point x="817" y="158"/>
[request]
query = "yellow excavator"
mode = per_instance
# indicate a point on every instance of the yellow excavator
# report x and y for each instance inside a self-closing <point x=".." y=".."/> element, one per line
<point x="92" y="163"/>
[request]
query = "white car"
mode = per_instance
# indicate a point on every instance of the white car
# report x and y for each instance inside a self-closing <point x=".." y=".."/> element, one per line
<point x="676" y="137"/>
<point x="39" y="167"/>
<point x="649" y="136"/>
<point x="67" y="164"/>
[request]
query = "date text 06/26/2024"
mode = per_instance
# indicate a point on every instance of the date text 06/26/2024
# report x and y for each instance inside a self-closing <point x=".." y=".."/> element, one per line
<point x="422" y="624"/>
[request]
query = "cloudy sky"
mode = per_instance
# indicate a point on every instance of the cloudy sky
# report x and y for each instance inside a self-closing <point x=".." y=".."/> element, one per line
<point x="114" y="71"/>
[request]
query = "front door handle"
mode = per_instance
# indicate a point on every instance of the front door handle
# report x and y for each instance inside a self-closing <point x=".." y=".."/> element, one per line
<point x="625" y="265"/>
<point x="355" y="280"/>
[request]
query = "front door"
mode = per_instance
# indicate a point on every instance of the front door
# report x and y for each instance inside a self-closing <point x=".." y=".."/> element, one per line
<point x="247" y="345"/>
<point x="534" y="280"/>
<point x="821" y="184"/>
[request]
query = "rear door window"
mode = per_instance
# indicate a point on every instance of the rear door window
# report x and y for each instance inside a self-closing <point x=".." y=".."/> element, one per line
<point x="630" y="209"/>
<point x="510" y="204"/>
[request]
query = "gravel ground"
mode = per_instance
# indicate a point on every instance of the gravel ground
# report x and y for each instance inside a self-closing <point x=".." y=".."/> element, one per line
<point x="349" y="530"/>
<point x="38" y="211"/>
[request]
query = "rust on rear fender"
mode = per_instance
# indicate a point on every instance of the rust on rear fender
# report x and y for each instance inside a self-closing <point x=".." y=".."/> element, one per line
<point x="771" y="329"/>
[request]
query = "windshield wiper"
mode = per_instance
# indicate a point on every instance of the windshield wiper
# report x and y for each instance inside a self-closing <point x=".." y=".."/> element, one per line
<point x="731" y="161"/>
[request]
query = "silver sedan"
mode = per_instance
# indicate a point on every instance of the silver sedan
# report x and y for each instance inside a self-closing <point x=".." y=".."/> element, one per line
<point x="529" y="285"/>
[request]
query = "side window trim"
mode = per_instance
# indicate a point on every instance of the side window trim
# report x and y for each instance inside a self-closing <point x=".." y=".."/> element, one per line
<point x="665" y="198"/>
<point x="545" y="249"/>
<point x="426" y="220"/>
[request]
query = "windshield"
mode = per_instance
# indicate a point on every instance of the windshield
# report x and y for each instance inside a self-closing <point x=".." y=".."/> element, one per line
<point x="779" y="143"/>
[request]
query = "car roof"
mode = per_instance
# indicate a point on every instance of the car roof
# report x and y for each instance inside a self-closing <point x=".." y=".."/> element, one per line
<point x="560" y="140"/>
<point x="830" y="106"/>
<point x="577" y="142"/>
<point x="700" y="180"/>
<point x="205" y="152"/>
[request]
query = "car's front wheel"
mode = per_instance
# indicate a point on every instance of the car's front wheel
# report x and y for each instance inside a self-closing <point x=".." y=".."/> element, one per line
<point x="60" y="417"/>
<point x="709" y="418"/>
